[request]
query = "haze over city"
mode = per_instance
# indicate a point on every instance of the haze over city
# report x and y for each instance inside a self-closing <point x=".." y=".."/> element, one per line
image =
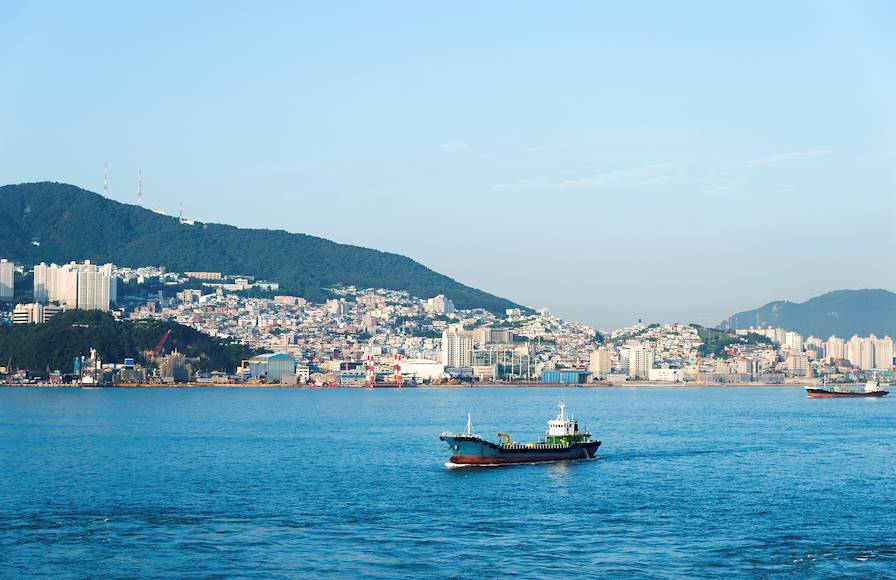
<point x="609" y="162"/>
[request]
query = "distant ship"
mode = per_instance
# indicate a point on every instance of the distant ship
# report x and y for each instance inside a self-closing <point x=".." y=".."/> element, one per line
<point x="873" y="388"/>
<point x="563" y="441"/>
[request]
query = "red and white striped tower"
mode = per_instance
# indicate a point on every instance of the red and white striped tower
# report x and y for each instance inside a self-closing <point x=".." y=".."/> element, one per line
<point x="396" y="369"/>
<point x="371" y="369"/>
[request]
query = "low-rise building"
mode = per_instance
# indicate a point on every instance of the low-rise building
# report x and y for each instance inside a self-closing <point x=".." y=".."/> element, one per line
<point x="565" y="376"/>
<point x="666" y="375"/>
<point x="278" y="367"/>
<point x="34" y="313"/>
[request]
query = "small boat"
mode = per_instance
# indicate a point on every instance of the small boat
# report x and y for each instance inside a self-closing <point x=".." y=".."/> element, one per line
<point x="873" y="388"/>
<point x="563" y="441"/>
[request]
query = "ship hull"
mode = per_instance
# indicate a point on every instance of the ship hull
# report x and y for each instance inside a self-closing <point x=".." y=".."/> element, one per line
<point x="387" y="385"/>
<point x="826" y="394"/>
<point x="476" y="451"/>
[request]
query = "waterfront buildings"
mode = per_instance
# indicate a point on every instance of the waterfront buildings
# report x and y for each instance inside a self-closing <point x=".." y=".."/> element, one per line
<point x="600" y="362"/>
<point x="565" y="376"/>
<point x="7" y="281"/>
<point x="421" y="369"/>
<point x="174" y="368"/>
<point x="640" y="361"/>
<point x="666" y="375"/>
<point x="278" y="368"/>
<point x="369" y="329"/>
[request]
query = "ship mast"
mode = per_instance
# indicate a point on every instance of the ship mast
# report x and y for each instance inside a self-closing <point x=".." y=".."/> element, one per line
<point x="469" y="424"/>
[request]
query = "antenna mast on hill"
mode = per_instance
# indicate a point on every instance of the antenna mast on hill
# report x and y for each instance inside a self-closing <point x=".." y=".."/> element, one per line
<point x="105" y="179"/>
<point x="140" y="187"/>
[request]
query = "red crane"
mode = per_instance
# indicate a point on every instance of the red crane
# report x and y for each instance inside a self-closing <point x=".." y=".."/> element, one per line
<point x="158" y="347"/>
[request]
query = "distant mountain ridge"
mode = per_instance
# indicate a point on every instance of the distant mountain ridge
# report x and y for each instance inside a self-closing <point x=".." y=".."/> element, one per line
<point x="842" y="312"/>
<point x="57" y="222"/>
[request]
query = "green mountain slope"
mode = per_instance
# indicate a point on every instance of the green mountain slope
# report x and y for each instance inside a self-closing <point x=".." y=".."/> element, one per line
<point x="54" y="345"/>
<point x="70" y="223"/>
<point x="843" y="312"/>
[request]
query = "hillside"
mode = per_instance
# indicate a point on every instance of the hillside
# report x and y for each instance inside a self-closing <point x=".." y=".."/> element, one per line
<point x="843" y="312"/>
<point x="70" y="223"/>
<point x="55" y="344"/>
<point x="716" y="341"/>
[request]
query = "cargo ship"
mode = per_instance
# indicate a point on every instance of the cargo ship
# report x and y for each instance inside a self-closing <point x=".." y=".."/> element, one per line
<point x="563" y="441"/>
<point x="873" y="388"/>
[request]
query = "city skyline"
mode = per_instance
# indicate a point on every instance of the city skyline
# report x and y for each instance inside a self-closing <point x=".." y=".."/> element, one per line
<point x="601" y="172"/>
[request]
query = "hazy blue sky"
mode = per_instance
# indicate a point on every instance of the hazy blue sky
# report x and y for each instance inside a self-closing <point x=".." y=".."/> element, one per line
<point x="667" y="160"/>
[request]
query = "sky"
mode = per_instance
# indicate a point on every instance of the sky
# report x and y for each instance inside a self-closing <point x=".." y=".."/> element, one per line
<point x="610" y="161"/>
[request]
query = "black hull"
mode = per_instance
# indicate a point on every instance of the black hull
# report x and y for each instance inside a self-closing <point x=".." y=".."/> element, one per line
<point x="828" y="394"/>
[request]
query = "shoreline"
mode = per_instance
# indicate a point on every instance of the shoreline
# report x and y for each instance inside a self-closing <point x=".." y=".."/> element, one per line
<point x="527" y="385"/>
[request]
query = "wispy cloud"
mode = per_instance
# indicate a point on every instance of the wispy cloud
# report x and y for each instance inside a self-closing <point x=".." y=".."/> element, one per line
<point x="512" y="185"/>
<point x="453" y="146"/>
<point x="784" y="157"/>
<point x="716" y="189"/>
<point x="645" y="174"/>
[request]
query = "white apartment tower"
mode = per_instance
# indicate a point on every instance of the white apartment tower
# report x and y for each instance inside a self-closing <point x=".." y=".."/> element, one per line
<point x="457" y="347"/>
<point x="860" y="352"/>
<point x="640" y="361"/>
<point x="7" y="281"/>
<point x="793" y="341"/>
<point x="440" y="305"/>
<point x="835" y="348"/>
<point x="82" y="286"/>
<point x="883" y="353"/>
<point x="93" y="290"/>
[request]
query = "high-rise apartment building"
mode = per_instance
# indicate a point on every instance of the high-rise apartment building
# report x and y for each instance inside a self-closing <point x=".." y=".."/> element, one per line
<point x="793" y="341"/>
<point x="457" y="347"/>
<point x="7" y="281"/>
<point x="860" y="352"/>
<point x="600" y="362"/>
<point x="440" y="305"/>
<point x="835" y="348"/>
<point x="640" y="361"/>
<point x="883" y="353"/>
<point x="83" y="286"/>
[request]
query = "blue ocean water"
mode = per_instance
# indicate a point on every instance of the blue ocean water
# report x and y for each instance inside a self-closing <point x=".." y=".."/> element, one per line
<point x="710" y="482"/>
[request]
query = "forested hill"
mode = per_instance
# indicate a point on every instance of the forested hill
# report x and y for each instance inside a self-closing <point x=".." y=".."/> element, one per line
<point x="70" y="223"/>
<point x="843" y="312"/>
<point x="56" y="343"/>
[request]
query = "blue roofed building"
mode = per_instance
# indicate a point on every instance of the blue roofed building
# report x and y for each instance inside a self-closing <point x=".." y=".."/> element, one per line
<point x="565" y="376"/>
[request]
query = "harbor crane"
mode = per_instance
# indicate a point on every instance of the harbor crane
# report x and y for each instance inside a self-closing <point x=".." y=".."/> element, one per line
<point x="158" y="347"/>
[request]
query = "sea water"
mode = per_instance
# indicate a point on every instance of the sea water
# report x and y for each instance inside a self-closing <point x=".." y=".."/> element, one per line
<point x="710" y="482"/>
